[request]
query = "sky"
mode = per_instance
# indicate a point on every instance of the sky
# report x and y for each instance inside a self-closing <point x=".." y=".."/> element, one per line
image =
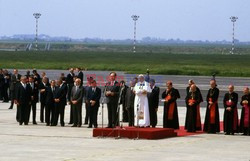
<point x="111" y="19"/>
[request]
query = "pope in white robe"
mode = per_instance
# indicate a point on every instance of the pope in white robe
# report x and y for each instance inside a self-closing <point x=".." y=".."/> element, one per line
<point x="141" y="109"/>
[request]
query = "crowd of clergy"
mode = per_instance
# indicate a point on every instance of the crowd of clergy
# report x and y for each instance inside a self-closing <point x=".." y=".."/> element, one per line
<point x="136" y="103"/>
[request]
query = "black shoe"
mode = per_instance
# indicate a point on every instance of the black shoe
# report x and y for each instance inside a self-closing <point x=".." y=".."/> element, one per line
<point x="34" y="123"/>
<point x="73" y="126"/>
<point x="25" y="123"/>
<point x="85" y="123"/>
<point x="89" y="126"/>
<point x="20" y="123"/>
<point x="10" y="108"/>
<point x="70" y="123"/>
<point x="48" y="125"/>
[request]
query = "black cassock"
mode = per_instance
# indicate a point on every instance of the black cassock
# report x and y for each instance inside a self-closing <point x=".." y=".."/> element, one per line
<point x="193" y="119"/>
<point x="245" y="115"/>
<point x="170" y="115"/>
<point x="212" y="120"/>
<point x="230" y="117"/>
<point x="201" y="100"/>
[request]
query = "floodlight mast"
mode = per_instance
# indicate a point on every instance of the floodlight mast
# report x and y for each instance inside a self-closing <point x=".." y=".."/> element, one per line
<point x="135" y="18"/>
<point x="233" y="20"/>
<point x="37" y="16"/>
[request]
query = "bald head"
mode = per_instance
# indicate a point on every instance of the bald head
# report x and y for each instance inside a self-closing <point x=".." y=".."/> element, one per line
<point x="169" y="84"/>
<point x="23" y="79"/>
<point x="213" y="83"/>
<point x="231" y="88"/>
<point x="78" y="81"/>
<point x="246" y="90"/>
<point x="193" y="88"/>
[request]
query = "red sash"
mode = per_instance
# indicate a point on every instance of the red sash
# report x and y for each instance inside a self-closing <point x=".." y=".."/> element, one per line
<point x="235" y="119"/>
<point x="246" y="115"/>
<point x="171" y="108"/>
<point x="191" y="101"/>
<point x="212" y="111"/>
<point x="229" y="104"/>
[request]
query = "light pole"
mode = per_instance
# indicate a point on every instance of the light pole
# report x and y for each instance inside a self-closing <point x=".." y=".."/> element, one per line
<point x="135" y="18"/>
<point x="37" y="16"/>
<point x="233" y="19"/>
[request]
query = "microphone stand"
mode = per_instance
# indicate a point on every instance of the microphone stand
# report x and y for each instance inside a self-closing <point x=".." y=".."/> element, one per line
<point x="102" y="102"/>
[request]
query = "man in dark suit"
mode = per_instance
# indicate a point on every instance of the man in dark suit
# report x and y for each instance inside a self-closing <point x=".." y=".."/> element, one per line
<point x="80" y="74"/>
<point x="50" y="92"/>
<point x="15" y="79"/>
<point x="129" y="103"/>
<point x="123" y="87"/>
<point x="93" y="98"/>
<point x="153" y="102"/>
<point x="34" y="98"/>
<point x="37" y="78"/>
<point x="60" y="102"/>
<point x="112" y="90"/>
<point x="42" y="88"/>
<point x="23" y="100"/>
<point x="86" y="89"/>
<point x="76" y="102"/>
<point x="70" y="84"/>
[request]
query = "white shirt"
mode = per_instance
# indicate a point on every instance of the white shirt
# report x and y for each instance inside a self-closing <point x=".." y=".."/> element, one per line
<point x="24" y="85"/>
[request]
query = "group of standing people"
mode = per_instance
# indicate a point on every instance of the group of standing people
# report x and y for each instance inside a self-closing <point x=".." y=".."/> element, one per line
<point x="142" y="100"/>
<point x="139" y="100"/>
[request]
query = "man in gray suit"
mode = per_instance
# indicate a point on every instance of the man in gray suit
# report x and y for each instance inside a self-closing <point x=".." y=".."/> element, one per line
<point x="76" y="99"/>
<point x="15" y="79"/>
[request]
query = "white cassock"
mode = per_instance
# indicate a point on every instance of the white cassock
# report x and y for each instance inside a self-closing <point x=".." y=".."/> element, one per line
<point x="141" y="108"/>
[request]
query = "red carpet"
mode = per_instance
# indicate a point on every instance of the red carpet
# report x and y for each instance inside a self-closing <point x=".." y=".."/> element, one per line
<point x="145" y="133"/>
<point x="133" y="133"/>
<point x="183" y="132"/>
